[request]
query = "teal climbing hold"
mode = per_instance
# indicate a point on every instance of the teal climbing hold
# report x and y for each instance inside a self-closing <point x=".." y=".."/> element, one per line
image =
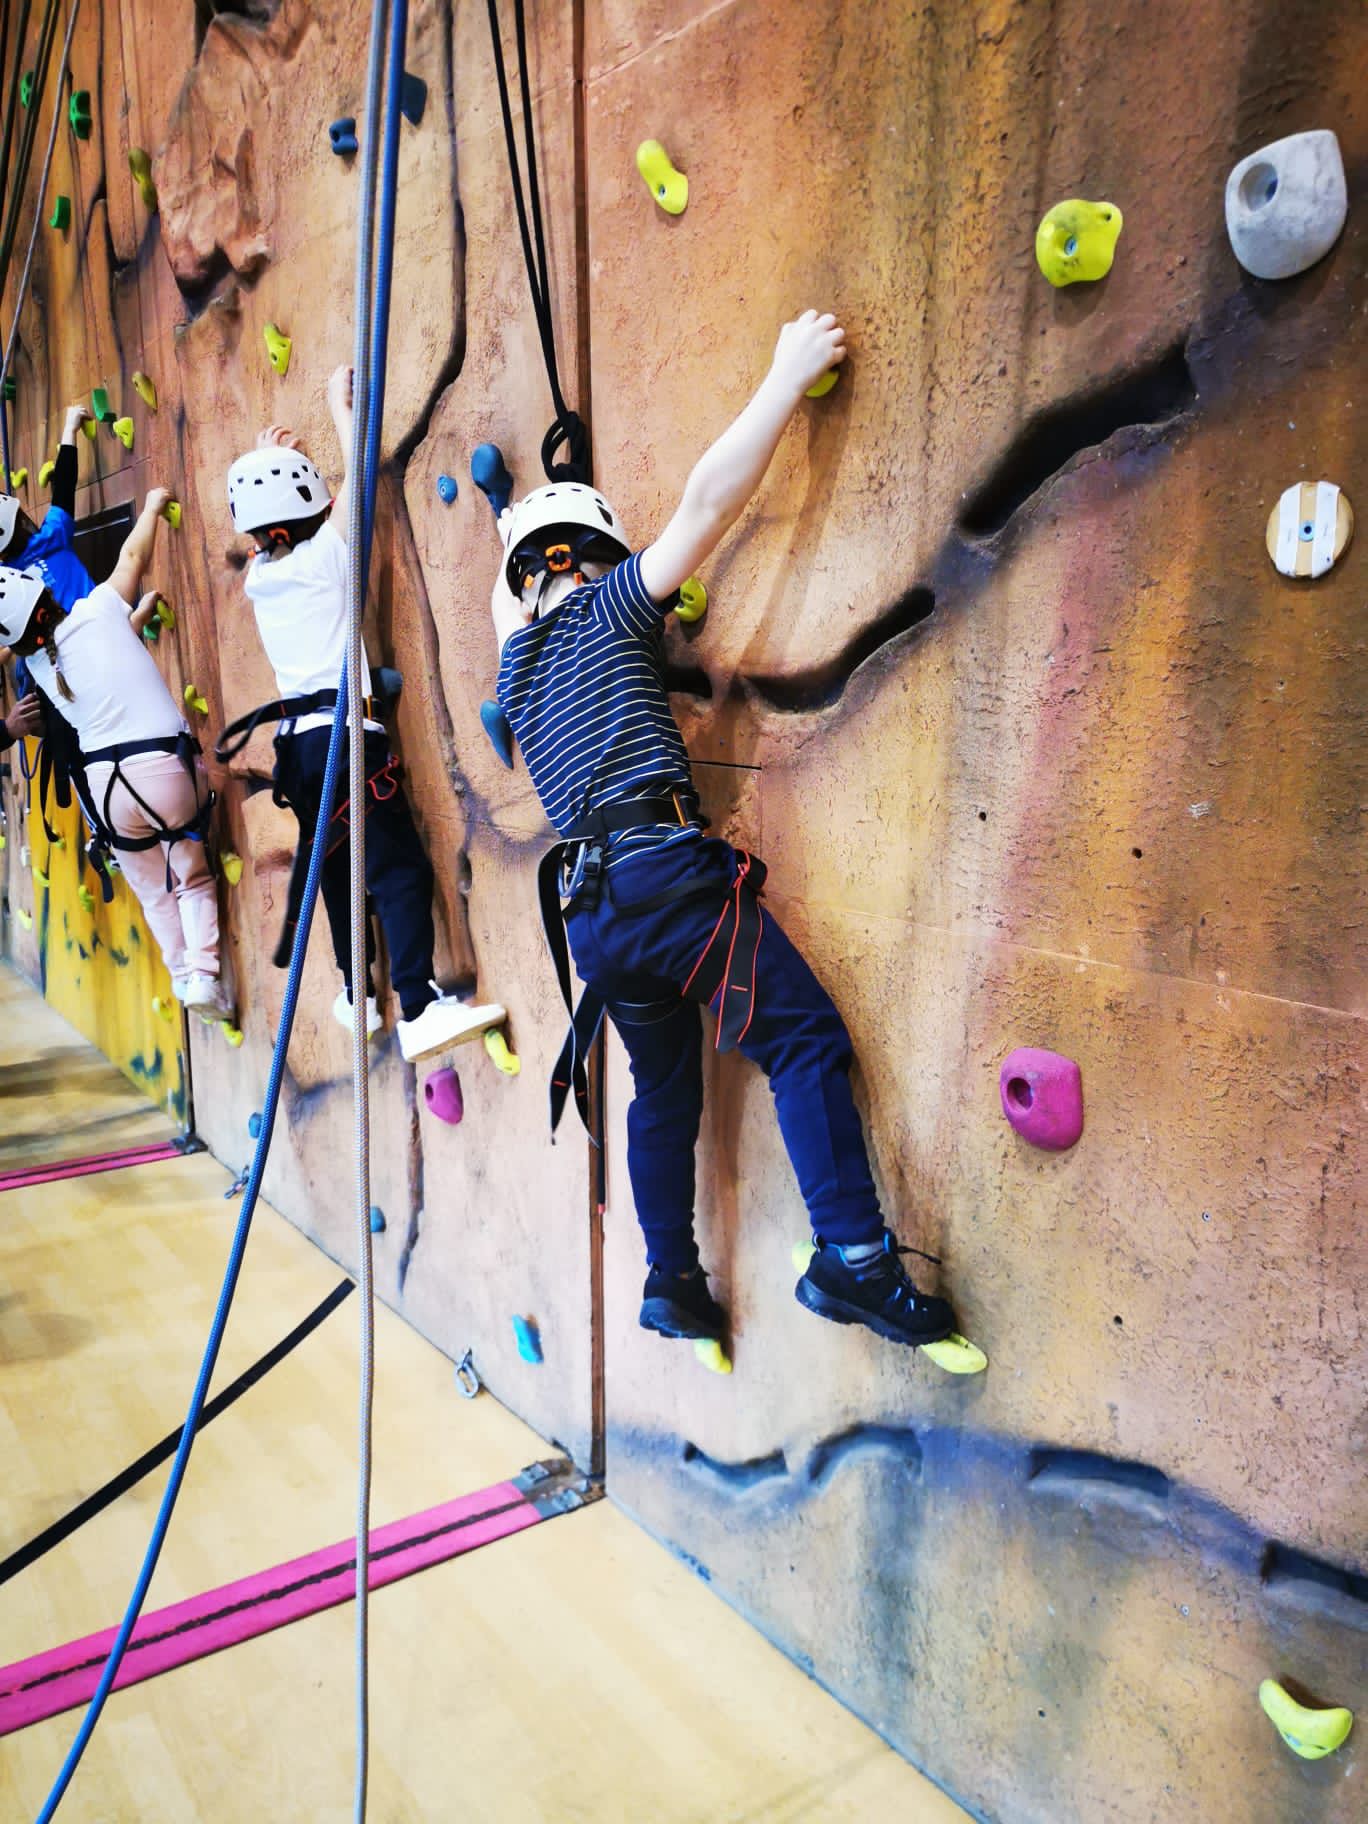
<point x="446" y="488"/>
<point x="489" y="472"/>
<point x="413" y="99"/>
<point x="377" y="1220"/>
<point x="528" y="1339"/>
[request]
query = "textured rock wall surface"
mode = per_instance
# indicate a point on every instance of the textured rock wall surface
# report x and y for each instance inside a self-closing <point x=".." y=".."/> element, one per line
<point x="998" y="678"/>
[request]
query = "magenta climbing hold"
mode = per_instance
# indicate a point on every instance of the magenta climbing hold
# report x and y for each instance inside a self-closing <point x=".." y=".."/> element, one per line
<point x="442" y="1093"/>
<point x="1042" y="1097"/>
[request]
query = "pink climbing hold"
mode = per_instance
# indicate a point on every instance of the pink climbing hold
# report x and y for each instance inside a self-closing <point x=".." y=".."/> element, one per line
<point x="442" y="1093"/>
<point x="1042" y="1097"/>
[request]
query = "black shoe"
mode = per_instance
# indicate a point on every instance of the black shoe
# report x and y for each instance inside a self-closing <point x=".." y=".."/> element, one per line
<point x="681" y="1307"/>
<point x="877" y="1293"/>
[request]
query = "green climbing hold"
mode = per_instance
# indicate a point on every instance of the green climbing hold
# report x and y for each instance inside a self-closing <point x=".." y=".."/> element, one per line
<point x="11" y="389"/>
<point x="60" y="218"/>
<point x="26" y="88"/>
<point x="78" y="113"/>
<point x="100" y="406"/>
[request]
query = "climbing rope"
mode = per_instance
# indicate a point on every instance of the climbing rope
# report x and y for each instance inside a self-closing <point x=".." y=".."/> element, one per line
<point x="567" y="427"/>
<point x="47" y="32"/>
<point x="370" y="365"/>
<point x="12" y="99"/>
<point x="21" y="294"/>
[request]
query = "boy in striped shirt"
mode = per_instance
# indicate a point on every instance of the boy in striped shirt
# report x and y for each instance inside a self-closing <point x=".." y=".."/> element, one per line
<point x="662" y="918"/>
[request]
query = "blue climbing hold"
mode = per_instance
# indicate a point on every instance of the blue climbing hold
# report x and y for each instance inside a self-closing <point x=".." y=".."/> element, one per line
<point x="528" y="1339"/>
<point x="254" y="1126"/>
<point x="489" y="472"/>
<point x="446" y="488"/>
<point x="377" y="1219"/>
<point x="342" y="134"/>
<point x="413" y="98"/>
<point x="500" y="734"/>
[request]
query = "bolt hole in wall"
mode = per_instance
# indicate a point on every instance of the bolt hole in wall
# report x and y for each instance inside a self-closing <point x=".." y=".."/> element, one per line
<point x="1258" y="186"/>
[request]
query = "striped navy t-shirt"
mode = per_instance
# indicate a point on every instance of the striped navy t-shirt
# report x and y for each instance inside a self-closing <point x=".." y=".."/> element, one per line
<point x="584" y="692"/>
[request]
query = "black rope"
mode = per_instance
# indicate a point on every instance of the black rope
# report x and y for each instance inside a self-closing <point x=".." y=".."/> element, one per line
<point x="567" y="427"/>
<point x="12" y="99"/>
<point x="29" y="132"/>
<point x="118" y="1485"/>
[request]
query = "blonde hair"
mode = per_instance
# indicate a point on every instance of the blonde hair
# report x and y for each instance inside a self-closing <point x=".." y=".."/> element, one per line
<point x="48" y="640"/>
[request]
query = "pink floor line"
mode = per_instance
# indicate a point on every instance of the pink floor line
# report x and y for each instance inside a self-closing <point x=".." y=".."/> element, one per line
<point x="50" y="1682"/>
<point x="85" y="1168"/>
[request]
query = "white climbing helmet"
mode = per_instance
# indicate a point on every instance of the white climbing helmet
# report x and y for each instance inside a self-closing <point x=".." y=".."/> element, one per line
<point x="562" y="503"/>
<point x="10" y="509"/>
<point x="20" y="593"/>
<point x="273" y="487"/>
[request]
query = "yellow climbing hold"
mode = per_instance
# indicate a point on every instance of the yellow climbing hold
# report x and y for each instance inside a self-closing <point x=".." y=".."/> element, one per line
<point x="195" y="700"/>
<point x="232" y="867"/>
<point x="277" y="349"/>
<point x="166" y="614"/>
<point x="171" y="513"/>
<point x="1077" y="240"/>
<point x="163" y="1007"/>
<point x="669" y="187"/>
<point x="693" y="601"/>
<point x="1310" y="1733"/>
<point x="90" y="427"/>
<point x="232" y="1033"/>
<point x="497" y="1046"/>
<point x="86" y="897"/>
<point x="956" y="1354"/>
<point x="45" y="473"/>
<point x="712" y="1356"/>
<point x="803" y="1252"/>
<point x="58" y="841"/>
<point x="123" y="430"/>
<point x="822" y="387"/>
<point x="146" y="390"/>
<point x="40" y="877"/>
<point x="25" y="918"/>
<point x="141" y="167"/>
<point x="17" y="479"/>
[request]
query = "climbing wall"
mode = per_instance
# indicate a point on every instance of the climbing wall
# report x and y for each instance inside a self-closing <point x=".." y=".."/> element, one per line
<point x="998" y="677"/>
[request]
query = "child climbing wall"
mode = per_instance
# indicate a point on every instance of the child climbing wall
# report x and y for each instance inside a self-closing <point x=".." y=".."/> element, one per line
<point x="145" y="783"/>
<point x="662" y="919"/>
<point x="297" y="585"/>
<point x="49" y="548"/>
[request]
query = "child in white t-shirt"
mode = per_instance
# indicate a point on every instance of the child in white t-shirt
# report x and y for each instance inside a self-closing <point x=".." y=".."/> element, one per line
<point x="298" y="587"/>
<point x="147" y="784"/>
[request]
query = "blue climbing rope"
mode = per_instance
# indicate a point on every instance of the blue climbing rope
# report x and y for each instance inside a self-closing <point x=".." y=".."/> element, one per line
<point x="275" y="1077"/>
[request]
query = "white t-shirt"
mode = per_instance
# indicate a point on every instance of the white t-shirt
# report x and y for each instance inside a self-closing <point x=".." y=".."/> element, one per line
<point x="300" y="598"/>
<point x="118" y="693"/>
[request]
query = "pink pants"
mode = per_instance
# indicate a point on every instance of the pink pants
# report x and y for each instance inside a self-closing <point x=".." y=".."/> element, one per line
<point x="185" y="920"/>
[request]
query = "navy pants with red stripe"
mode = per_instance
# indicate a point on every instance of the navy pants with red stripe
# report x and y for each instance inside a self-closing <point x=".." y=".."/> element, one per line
<point x="639" y="961"/>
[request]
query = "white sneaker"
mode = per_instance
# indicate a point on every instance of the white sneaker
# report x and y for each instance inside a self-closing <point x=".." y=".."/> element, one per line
<point x="204" y="995"/>
<point x="342" y="1013"/>
<point x="445" y="1022"/>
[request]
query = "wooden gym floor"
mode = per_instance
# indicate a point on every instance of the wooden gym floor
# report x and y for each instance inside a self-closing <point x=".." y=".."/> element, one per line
<point x="526" y="1681"/>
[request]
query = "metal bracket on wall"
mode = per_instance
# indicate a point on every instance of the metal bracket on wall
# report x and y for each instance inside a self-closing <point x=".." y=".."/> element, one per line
<point x="555" y="1486"/>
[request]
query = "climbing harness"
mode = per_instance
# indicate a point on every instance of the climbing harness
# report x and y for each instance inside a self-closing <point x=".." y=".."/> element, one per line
<point x="574" y="870"/>
<point x="372" y="322"/>
<point x="567" y="427"/>
<point x="195" y="829"/>
<point x="387" y="684"/>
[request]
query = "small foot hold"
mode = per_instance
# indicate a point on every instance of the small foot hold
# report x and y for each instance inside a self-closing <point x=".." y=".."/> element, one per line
<point x="171" y="513"/>
<point x="1077" y="241"/>
<point x="11" y="389"/>
<point x="503" y="1059"/>
<point x="17" y="479"/>
<point x="165" y="1009"/>
<point x="141" y="167"/>
<point x="669" y="187"/>
<point x="86" y="897"/>
<point x="446" y="488"/>
<point x="342" y="136"/>
<point x="60" y="219"/>
<point x="233" y="1034"/>
<point x="254" y="1125"/>
<point x="123" y="430"/>
<point x="195" y="700"/>
<point x="1310" y="1733"/>
<point x="820" y="388"/>
<point x="45" y="473"/>
<point x="78" y="113"/>
<point x="956" y="1354"/>
<point x="693" y="601"/>
<point x="26" y="82"/>
<point x="413" y="95"/>
<point x="377" y="1220"/>
<point x="25" y="918"/>
<point x="232" y="867"/>
<point x="712" y="1355"/>
<point x="278" y="348"/>
<point x="146" y="390"/>
<point x="489" y="472"/>
<point x="40" y="877"/>
<point x="495" y="725"/>
<point x="442" y="1095"/>
<point x="528" y="1338"/>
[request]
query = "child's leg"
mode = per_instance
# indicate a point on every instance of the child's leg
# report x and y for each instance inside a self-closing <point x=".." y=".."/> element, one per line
<point x="399" y="879"/>
<point x="300" y="762"/>
<point x="145" y="869"/>
<point x="665" y="1049"/>
<point x="799" y="1040"/>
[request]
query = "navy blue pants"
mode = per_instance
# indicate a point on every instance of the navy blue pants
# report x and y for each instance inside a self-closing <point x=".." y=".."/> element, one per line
<point x="398" y="873"/>
<point x="638" y="961"/>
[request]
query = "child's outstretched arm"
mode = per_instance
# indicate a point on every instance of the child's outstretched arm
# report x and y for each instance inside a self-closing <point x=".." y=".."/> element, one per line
<point x="724" y="478"/>
<point x="340" y="405"/>
<point x="137" y="549"/>
<point x="64" y="469"/>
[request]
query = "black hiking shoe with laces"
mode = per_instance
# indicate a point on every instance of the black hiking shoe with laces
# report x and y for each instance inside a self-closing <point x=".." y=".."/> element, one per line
<point x="681" y="1307"/>
<point x="876" y="1293"/>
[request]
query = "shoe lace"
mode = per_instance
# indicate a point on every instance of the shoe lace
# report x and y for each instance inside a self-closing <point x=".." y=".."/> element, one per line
<point x="903" y="1288"/>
